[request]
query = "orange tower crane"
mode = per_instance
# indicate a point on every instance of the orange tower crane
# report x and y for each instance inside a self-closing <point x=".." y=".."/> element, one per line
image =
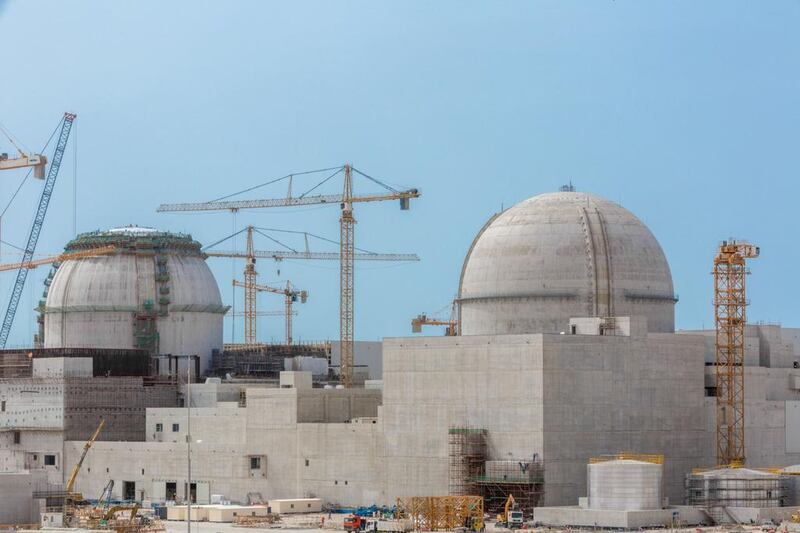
<point x="730" y="303"/>
<point x="346" y="242"/>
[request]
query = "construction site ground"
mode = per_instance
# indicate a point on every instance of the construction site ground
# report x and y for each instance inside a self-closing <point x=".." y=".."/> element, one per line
<point x="312" y="523"/>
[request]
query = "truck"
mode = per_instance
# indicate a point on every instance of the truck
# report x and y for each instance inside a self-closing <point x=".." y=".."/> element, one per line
<point x="512" y="516"/>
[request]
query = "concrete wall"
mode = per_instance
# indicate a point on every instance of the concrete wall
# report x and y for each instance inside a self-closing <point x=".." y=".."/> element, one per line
<point x="296" y="459"/>
<point x="603" y="395"/>
<point x="17" y="505"/>
<point x="432" y="383"/>
<point x="365" y="353"/>
<point x="565" y="397"/>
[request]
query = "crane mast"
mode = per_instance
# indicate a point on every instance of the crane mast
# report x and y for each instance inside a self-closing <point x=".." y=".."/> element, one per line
<point x="38" y="222"/>
<point x="346" y="267"/>
<point x="730" y="303"/>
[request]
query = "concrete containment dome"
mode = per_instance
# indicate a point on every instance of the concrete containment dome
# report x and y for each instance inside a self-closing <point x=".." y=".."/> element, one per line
<point x="155" y="292"/>
<point x="561" y="255"/>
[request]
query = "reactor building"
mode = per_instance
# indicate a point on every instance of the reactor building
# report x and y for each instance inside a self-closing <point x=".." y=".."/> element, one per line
<point x="567" y="350"/>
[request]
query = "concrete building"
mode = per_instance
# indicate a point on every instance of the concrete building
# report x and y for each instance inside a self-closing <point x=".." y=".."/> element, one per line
<point x="567" y="352"/>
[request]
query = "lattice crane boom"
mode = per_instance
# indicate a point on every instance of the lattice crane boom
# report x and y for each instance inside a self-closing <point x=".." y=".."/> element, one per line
<point x="103" y="250"/>
<point x="36" y="229"/>
<point x="730" y="303"/>
<point x="279" y="255"/>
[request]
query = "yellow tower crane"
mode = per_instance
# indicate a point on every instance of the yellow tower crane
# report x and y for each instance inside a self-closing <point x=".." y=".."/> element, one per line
<point x="730" y="317"/>
<point x="290" y="297"/>
<point x="346" y="242"/>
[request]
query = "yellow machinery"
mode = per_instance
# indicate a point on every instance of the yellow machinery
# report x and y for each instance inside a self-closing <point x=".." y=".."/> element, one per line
<point x="730" y="302"/>
<point x="442" y="513"/>
<point x="512" y="515"/>
<point x="72" y="497"/>
<point x="103" y="250"/>
<point x="424" y="320"/>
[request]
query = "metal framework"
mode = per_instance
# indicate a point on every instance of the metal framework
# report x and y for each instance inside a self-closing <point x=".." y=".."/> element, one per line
<point x="730" y="303"/>
<point x="347" y="225"/>
<point x="36" y="229"/>
<point x="290" y="295"/>
<point x="346" y="244"/>
<point x="279" y="255"/>
<point x="442" y="513"/>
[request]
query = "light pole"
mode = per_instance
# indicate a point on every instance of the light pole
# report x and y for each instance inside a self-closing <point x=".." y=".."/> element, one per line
<point x="188" y="401"/>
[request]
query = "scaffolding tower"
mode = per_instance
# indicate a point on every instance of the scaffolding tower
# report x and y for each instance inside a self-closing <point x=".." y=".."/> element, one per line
<point x="467" y="449"/>
<point x="523" y="479"/>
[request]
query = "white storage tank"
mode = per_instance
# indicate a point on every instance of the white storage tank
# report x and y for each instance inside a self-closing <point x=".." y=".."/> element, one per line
<point x="625" y="484"/>
<point x="155" y="292"/>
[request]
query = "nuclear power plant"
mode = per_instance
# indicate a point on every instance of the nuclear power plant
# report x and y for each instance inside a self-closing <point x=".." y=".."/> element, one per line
<point x="562" y="384"/>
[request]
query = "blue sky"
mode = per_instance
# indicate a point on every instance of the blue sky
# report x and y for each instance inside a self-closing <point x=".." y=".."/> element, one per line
<point x="687" y="113"/>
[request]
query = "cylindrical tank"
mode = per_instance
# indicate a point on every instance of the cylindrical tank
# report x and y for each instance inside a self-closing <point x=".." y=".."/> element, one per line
<point x="735" y="487"/>
<point x="625" y="485"/>
<point x="156" y="293"/>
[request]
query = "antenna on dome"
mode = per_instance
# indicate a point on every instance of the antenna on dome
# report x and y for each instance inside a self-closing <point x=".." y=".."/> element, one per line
<point x="567" y="188"/>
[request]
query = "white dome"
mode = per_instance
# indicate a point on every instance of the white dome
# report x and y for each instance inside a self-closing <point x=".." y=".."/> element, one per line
<point x="156" y="292"/>
<point x="562" y="255"/>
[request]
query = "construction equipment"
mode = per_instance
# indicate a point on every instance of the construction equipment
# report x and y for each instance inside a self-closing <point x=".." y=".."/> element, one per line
<point x="23" y="159"/>
<point x="730" y="303"/>
<point x="290" y="297"/>
<point x="346" y="242"/>
<point x="105" y="496"/>
<point x="70" y="496"/>
<point x="103" y="250"/>
<point x="425" y="320"/>
<point x="250" y="255"/>
<point x="512" y="516"/>
<point x="442" y="513"/>
<point x="38" y="222"/>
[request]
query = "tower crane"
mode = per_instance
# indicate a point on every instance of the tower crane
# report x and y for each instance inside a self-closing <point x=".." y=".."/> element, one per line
<point x="36" y="229"/>
<point x="250" y="255"/>
<point x="730" y="303"/>
<point x="347" y="222"/>
<point x="23" y="159"/>
<point x="290" y="297"/>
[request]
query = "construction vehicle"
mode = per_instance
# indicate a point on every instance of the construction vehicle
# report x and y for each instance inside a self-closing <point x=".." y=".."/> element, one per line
<point x="355" y="523"/>
<point x="730" y="317"/>
<point x="512" y="516"/>
<point x="347" y="248"/>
